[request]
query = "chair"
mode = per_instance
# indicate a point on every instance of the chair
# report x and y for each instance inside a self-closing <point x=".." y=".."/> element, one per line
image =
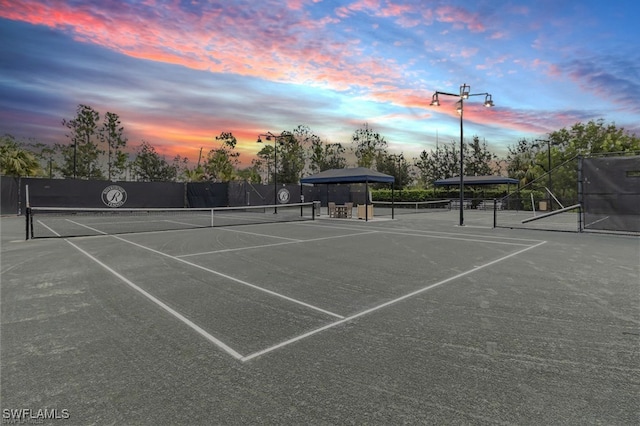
<point x="332" y="209"/>
<point x="349" y="208"/>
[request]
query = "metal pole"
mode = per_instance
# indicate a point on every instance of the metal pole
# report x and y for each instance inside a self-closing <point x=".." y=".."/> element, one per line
<point x="393" y="199"/>
<point x="464" y="94"/>
<point x="275" y="174"/>
<point x="27" y="215"/>
<point x="495" y="212"/>
<point x="549" y="173"/>
<point x="461" y="164"/>
<point x="581" y="211"/>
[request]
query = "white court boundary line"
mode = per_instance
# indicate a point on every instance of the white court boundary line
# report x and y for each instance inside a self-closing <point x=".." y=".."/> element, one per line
<point x="487" y="239"/>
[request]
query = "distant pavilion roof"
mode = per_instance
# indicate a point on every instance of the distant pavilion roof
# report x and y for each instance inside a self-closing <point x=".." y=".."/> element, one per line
<point x="348" y="175"/>
<point x="476" y="180"/>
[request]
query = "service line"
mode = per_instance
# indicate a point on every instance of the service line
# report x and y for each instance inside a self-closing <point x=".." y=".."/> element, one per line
<point x="273" y="244"/>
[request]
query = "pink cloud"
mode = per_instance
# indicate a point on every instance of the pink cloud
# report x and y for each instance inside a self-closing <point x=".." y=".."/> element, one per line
<point x="395" y="10"/>
<point x="295" y="4"/>
<point x="459" y="18"/>
<point x="467" y="52"/>
<point x="374" y="8"/>
<point x="358" y="6"/>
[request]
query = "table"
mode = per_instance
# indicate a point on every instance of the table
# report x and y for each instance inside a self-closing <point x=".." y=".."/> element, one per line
<point x="341" y="211"/>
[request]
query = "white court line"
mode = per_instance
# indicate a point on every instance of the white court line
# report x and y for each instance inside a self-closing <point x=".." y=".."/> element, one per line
<point x="423" y="231"/>
<point x="435" y="234"/>
<point x="164" y="306"/>
<point x="384" y="305"/>
<point x="458" y="239"/>
<point x="237" y="249"/>
<point x="258" y="234"/>
<point x="274" y="244"/>
<point x="86" y="226"/>
<point x="229" y="277"/>
<point x="219" y="343"/>
<point x="593" y="223"/>
<point x="52" y="231"/>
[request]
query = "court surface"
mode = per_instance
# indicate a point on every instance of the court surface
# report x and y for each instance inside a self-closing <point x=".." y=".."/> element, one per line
<point x="407" y="321"/>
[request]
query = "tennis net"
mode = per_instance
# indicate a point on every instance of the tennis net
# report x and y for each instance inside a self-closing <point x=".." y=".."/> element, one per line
<point x="63" y="222"/>
<point x="384" y="208"/>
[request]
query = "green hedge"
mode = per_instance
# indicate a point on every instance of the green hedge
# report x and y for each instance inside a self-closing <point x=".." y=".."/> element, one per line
<point x="436" y="194"/>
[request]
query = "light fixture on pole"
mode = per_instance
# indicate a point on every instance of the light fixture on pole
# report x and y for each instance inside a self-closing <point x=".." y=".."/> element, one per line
<point x="268" y="136"/>
<point x="464" y="94"/>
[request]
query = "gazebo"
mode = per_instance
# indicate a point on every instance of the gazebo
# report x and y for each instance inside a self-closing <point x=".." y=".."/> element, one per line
<point x="351" y="175"/>
<point x="476" y="181"/>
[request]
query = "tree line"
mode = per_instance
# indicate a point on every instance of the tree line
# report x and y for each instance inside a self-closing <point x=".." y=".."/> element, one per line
<point x="98" y="148"/>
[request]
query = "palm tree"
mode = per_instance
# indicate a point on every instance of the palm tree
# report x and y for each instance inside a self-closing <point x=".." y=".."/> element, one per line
<point x="17" y="161"/>
<point x="194" y="175"/>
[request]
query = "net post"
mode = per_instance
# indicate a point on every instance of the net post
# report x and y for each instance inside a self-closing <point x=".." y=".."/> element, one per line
<point x="495" y="212"/>
<point x="27" y="215"/>
<point x="212" y="217"/>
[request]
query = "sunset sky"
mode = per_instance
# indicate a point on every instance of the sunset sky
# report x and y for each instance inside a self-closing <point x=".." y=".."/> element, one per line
<point x="178" y="73"/>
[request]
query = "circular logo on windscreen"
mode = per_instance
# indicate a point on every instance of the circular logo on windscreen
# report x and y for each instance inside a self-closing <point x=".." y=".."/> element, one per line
<point x="283" y="196"/>
<point x="114" y="196"/>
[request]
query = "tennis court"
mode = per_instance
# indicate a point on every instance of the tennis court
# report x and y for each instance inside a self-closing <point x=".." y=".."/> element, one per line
<point x="326" y="321"/>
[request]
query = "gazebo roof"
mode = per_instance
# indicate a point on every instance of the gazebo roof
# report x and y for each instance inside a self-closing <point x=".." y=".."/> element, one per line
<point x="348" y="175"/>
<point x="476" y="180"/>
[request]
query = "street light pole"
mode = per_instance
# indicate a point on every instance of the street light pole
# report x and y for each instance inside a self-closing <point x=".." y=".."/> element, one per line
<point x="461" y="112"/>
<point x="464" y="94"/>
<point x="268" y="137"/>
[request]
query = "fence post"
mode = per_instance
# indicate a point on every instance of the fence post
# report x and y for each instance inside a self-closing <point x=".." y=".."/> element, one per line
<point x="580" y="196"/>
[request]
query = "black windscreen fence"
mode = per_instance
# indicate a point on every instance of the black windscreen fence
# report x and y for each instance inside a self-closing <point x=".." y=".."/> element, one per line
<point x="611" y="193"/>
<point x="43" y="192"/>
<point x="207" y="194"/>
<point x="9" y="195"/>
<point x="599" y="193"/>
<point x="99" y="193"/>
